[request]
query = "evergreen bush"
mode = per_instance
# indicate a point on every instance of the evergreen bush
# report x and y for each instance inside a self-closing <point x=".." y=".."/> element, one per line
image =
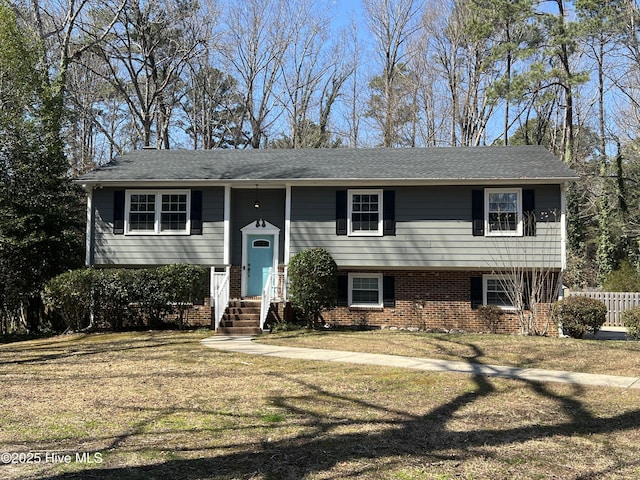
<point x="184" y="285"/>
<point x="125" y="298"/>
<point x="624" y="279"/>
<point x="312" y="283"/>
<point x="579" y="315"/>
<point x="151" y="296"/>
<point x="70" y="295"/>
<point x="631" y="320"/>
<point x="113" y="294"/>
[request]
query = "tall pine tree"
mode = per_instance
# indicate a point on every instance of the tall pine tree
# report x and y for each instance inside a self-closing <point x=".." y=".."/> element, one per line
<point x="40" y="209"/>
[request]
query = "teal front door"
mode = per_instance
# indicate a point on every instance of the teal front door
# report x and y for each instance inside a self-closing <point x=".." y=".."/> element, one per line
<point x="260" y="259"/>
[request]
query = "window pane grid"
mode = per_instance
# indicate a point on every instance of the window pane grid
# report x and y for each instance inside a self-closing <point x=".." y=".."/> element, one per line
<point x="503" y="212"/>
<point x="173" y="221"/>
<point x="157" y="212"/>
<point x="365" y="290"/>
<point x="174" y="212"/>
<point x="142" y="212"/>
<point x="499" y="222"/>
<point x="142" y="222"/>
<point x="364" y="297"/>
<point x="365" y="213"/>
<point x="498" y="293"/>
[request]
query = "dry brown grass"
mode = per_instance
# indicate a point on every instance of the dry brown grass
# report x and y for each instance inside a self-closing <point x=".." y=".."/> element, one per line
<point x="159" y="405"/>
<point x="586" y="356"/>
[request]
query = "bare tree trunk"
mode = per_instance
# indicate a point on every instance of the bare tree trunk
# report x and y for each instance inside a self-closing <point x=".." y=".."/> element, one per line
<point x="393" y="23"/>
<point x="567" y="143"/>
<point x="144" y="58"/>
<point x="258" y="37"/>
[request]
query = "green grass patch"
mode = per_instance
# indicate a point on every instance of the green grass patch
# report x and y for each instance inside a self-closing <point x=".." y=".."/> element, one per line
<point x="272" y="417"/>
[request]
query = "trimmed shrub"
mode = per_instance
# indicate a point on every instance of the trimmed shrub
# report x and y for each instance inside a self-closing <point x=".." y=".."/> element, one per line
<point x="579" y="315"/>
<point x="113" y="290"/>
<point x="631" y="320"/>
<point x="125" y="298"/>
<point x="150" y="295"/>
<point x="70" y="294"/>
<point x="184" y="285"/>
<point x="313" y="283"/>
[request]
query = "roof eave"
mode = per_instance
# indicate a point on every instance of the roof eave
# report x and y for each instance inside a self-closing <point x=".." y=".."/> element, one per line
<point x="250" y="182"/>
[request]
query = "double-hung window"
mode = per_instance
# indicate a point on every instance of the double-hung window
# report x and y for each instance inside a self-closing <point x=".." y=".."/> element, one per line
<point x="499" y="290"/>
<point x="142" y="213"/>
<point x="503" y="211"/>
<point x="157" y="212"/>
<point x="173" y="212"/>
<point x="365" y="290"/>
<point x="365" y="213"/>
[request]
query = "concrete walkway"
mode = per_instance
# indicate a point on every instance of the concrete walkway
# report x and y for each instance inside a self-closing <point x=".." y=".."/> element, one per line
<point x="247" y="346"/>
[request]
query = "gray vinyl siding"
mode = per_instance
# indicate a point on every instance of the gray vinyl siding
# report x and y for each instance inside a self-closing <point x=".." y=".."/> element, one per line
<point x="272" y="204"/>
<point x="147" y="250"/>
<point x="433" y="230"/>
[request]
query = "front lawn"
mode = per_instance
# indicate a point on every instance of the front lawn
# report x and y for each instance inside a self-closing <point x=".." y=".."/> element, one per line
<point x="586" y="356"/>
<point x="160" y="405"/>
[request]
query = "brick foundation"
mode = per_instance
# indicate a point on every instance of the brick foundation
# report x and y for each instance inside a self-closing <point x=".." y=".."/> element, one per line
<point x="235" y="281"/>
<point x="429" y="301"/>
<point x="424" y="300"/>
<point x="196" y="316"/>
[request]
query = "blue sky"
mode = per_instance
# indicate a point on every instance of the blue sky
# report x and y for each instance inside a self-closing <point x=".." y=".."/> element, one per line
<point x="345" y="10"/>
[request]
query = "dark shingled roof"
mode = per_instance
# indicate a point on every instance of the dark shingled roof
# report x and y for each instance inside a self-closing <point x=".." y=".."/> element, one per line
<point x="446" y="164"/>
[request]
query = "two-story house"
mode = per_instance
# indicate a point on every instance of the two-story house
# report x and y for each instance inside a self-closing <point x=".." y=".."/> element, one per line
<point x="419" y="235"/>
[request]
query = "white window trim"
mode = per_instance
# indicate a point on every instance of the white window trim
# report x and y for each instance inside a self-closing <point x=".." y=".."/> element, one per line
<point x="518" y="232"/>
<point x="380" y="302"/>
<point x="485" y="280"/>
<point x="364" y="233"/>
<point x="158" y="207"/>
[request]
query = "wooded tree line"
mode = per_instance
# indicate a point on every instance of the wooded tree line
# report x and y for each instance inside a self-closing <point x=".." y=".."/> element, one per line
<point x="123" y="74"/>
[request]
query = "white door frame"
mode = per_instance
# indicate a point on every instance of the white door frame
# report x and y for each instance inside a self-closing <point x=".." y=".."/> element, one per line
<point x="259" y="227"/>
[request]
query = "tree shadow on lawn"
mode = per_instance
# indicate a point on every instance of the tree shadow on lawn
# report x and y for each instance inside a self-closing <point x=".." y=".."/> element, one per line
<point x="323" y="446"/>
<point x="73" y="347"/>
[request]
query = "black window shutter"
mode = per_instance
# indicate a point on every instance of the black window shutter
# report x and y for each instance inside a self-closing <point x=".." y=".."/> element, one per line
<point x="529" y="212"/>
<point x="477" y="212"/>
<point x="118" y="212"/>
<point x="196" y="212"/>
<point x="341" y="212"/>
<point x="389" y="291"/>
<point x="476" y="292"/>
<point x="389" y="212"/>
<point x="343" y="290"/>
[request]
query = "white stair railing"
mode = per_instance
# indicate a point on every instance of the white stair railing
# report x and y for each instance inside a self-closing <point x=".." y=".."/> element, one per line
<point x="220" y="294"/>
<point x="267" y="297"/>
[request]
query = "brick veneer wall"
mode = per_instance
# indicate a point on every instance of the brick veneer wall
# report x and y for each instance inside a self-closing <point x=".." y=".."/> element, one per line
<point x="425" y="300"/>
<point x="197" y="315"/>
<point x="429" y="300"/>
<point x="235" y="281"/>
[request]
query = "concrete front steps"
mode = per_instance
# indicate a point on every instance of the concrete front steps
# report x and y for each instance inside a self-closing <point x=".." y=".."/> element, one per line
<point x="242" y="317"/>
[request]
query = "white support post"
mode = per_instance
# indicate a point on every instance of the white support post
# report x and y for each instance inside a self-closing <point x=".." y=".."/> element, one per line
<point x="226" y="259"/>
<point x="89" y="234"/>
<point x="563" y="227"/>
<point x="287" y="225"/>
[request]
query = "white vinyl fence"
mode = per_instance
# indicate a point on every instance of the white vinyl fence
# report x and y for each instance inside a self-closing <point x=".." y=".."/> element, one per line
<point x="616" y="302"/>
